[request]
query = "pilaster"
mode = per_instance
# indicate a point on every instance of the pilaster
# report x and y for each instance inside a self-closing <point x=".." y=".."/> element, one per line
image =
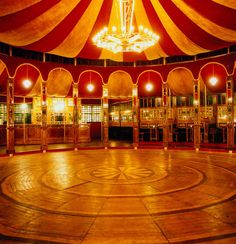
<point x="230" y="112"/>
<point x="197" y="121"/>
<point x="44" y="142"/>
<point x="10" y="117"/>
<point x="166" y="121"/>
<point x="105" y="123"/>
<point x="135" y="107"/>
<point x="76" y="116"/>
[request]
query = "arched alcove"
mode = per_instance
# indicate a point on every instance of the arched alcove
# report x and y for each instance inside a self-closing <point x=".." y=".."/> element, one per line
<point x="27" y="72"/>
<point x="120" y="84"/>
<point x="120" y="87"/>
<point x="90" y="84"/>
<point x="59" y="83"/>
<point x="217" y="71"/>
<point x="180" y="82"/>
<point x="154" y="80"/>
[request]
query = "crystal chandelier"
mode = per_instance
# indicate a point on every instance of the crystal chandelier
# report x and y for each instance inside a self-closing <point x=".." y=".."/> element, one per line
<point x="125" y="39"/>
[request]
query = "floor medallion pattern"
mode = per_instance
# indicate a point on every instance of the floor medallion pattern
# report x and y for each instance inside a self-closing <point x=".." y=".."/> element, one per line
<point x="72" y="197"/>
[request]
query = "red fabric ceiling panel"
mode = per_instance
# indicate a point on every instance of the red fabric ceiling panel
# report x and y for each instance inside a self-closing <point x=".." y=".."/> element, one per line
<point x="90" y="50"/>
<point x="60" y="32"/>
<point x="18" y="19"/>
<point x="217" y="13"/>
<point x="66" y="28"/>
<point x="165" y="41"/>
<point x="190" y="29"/>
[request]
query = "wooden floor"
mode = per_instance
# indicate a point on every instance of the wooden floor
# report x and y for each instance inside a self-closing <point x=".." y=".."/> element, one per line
<point x="118" y="196"/>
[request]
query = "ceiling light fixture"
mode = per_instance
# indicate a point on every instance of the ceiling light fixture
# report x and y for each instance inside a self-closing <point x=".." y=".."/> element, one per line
<point x="213" y="80"/>
<point x="149" y="85"/>
<point x="90" y="86"/>
<point x="124" y="39"/>
<point x="26" y="82"/>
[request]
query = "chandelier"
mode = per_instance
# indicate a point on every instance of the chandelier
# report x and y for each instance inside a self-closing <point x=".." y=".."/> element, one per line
<point x="125" y="39"/>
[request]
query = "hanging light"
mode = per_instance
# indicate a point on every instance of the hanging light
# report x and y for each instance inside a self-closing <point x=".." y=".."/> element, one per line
<point x="90" y="86"/>
<point x="213" y="80"/>
<point x="26" y="82"/>
<point x="149" y="85"/>
<point x="124" y="39"/>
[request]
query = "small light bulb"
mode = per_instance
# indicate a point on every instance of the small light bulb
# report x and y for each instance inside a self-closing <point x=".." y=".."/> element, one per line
<point x="27" y="83"/>
<point x="213" y="80"/>
<point x="90" y="87"/>
<point x="149" y="86"/>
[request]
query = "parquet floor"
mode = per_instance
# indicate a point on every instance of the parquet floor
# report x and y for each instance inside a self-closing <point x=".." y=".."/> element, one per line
<point x="118" y="196"/>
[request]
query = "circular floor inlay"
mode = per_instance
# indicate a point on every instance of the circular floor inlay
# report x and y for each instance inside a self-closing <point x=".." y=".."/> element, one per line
<point x="70" y="191"/>
<point x="122" y="173"/>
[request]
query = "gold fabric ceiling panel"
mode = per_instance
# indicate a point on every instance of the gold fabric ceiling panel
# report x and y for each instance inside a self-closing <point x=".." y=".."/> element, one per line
<point x="66" y="28"/>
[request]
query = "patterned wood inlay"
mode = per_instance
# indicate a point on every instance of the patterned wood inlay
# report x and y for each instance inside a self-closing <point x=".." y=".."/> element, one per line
<point x="97" y="196"/>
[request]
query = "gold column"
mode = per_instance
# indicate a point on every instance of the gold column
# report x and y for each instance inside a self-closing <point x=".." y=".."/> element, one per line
<point x="170" y="117"/>
<point x="44" y="142"/>
<point x="105" y="123"/>
<point x="135" y="104"/>
<point x="230" y="112"/>
<point x="10" y="117"/>
<point x="206" y="119"/>
<point x="165" y="122"/>
<point x="197" y="121"/>
<point x="75" y="116"/>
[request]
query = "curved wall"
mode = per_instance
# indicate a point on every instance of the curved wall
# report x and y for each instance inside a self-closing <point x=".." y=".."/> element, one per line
<point x="60" y="77"/>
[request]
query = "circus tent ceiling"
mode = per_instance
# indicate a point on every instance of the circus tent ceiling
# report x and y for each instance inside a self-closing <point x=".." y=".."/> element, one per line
<point x="66" y="28"/>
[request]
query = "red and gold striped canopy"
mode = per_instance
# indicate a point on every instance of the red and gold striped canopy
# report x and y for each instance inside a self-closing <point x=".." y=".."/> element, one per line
<point x="66" y="27"/>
